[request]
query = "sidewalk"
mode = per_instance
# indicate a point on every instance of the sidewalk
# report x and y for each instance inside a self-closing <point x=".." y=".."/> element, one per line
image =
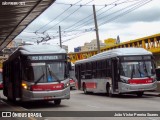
<point x="6" y="106"/>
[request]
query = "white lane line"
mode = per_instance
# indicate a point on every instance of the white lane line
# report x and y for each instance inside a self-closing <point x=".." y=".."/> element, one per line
<point x="152" y="119"/>
<point x="93" y="106"/>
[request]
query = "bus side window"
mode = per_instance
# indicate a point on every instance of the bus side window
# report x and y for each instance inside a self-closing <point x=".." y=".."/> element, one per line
<point x="83" y="70"/>
<point x="108" y="68"/>
<point x="103" y="69"/>
<point x="94" y="67"/>
<point x="88" y="73"/>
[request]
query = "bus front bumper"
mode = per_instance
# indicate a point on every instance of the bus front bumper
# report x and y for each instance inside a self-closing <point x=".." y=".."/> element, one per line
<point x="127" y="88"/>
<point x="46" y="95"/>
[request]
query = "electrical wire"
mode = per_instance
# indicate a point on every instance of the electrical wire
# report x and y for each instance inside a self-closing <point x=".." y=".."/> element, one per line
<point x="113" y="3"/>
<point x="127" y="11"/>
<point x="133" y="7"/>
<point x="58" y="15"/>
<point x="68" y="4"/>
<point x="142" y="3"/>
<point x="66" y="17"/>
<point x="106" y="16"/>
<point x="80" y="34"/>
<point x="88" y="21"/>
<point x="88" y="16"/>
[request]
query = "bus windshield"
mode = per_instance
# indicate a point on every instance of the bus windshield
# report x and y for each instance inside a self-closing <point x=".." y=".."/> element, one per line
<point x="137" y="69"/>
<point x="45" y="72"/>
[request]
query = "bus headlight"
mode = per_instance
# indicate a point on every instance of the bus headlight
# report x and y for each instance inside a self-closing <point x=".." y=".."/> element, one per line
<point x="66" y="85"/>
<point x="24" y="86"/>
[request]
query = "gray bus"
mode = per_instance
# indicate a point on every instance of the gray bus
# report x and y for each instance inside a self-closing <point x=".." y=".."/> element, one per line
<point x="37" y="72"/>
<point x="117" y="71"/>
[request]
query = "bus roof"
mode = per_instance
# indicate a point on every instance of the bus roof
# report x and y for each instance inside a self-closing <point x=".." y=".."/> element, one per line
<point x="116" y="52"/>
<point x="41" y="49"/>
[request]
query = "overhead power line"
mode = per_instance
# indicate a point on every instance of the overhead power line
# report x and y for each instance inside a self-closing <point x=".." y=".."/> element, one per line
<point x="66" y="17"/>
<point x="140" y="4"/>
<point x="91" y="15"/>
<point x="77" y="35"/>
<point x="136" y="6"/>
<point x="87" y="22"/>
<point x="68" y="4"/>
<point x="58" y="16"/>
<point x="104" y="17"/>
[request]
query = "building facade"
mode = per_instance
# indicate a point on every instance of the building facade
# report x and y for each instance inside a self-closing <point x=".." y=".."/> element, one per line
<point x="92" y="45"/>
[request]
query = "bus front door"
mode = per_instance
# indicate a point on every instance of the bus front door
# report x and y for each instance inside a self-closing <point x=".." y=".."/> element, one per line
<point x="114" y="66"/>
<point x="78" y="76"/>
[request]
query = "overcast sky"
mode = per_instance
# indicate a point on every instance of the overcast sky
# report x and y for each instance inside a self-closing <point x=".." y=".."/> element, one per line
<point x="130" y="19"/>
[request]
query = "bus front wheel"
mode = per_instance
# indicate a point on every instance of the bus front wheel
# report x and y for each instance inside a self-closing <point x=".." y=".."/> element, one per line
<point x="84" y="89"/>
<point x="139" y="94"/>
<point x="109" y="91"/>
<point x="57" y="102"/>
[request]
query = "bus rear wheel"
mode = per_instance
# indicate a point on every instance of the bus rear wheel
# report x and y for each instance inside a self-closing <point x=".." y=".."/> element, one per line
<point x="109" y="91"/>
<point x="57" y="102"/>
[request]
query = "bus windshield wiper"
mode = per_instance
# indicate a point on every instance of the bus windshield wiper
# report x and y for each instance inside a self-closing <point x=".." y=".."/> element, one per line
<point x="145" y="68"/>
<point x="39" y="78"/>
<point x="139" y="70"/>
<point x="133" y="71"/>
<point x="52" y="74"/>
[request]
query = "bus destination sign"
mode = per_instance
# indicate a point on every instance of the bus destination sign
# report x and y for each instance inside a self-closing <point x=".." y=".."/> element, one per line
<point x="45" y="57"/>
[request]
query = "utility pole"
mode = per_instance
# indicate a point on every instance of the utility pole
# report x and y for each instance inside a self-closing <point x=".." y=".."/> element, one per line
<point x="96" y="28"/>
<point x="60" y="40"/>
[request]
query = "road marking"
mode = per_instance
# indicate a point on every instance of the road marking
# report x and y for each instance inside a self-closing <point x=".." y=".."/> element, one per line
<point x="17" y="109"/>
<point x="152" y="119"/>
<point x="93" y="106"/>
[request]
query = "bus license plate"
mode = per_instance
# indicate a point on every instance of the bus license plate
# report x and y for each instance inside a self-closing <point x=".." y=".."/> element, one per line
<point x="48" y="97"/>
<point x="140" y="89"/>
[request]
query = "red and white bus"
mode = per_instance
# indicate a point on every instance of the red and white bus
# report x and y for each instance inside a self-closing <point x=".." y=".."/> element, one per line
<point x="117" y="71"/>
<point x="37" y="72"/>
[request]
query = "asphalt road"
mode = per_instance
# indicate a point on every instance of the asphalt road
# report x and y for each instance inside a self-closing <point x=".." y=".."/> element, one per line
<point x="97" y="102"/>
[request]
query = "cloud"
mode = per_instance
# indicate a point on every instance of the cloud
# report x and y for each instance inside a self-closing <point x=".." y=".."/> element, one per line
<point x="149" y="15"/>
<point x="139" y="23"/>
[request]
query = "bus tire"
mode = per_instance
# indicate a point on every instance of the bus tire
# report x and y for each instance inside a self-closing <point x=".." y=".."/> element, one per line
<point x="9" y="99"/>
<point x="107" y="89"/>
<point x="110" y="92"/>
<point x="139" y="94"/>
<point x="84" y="88"/>
<point x="57" y="102"/>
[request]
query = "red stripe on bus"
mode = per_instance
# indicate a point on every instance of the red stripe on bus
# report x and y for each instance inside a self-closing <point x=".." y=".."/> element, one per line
<point x="45" y="87"/>
<point x="140" y="81"/>
<point x="71" y="81"/>
<point x="91" y="85"/>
